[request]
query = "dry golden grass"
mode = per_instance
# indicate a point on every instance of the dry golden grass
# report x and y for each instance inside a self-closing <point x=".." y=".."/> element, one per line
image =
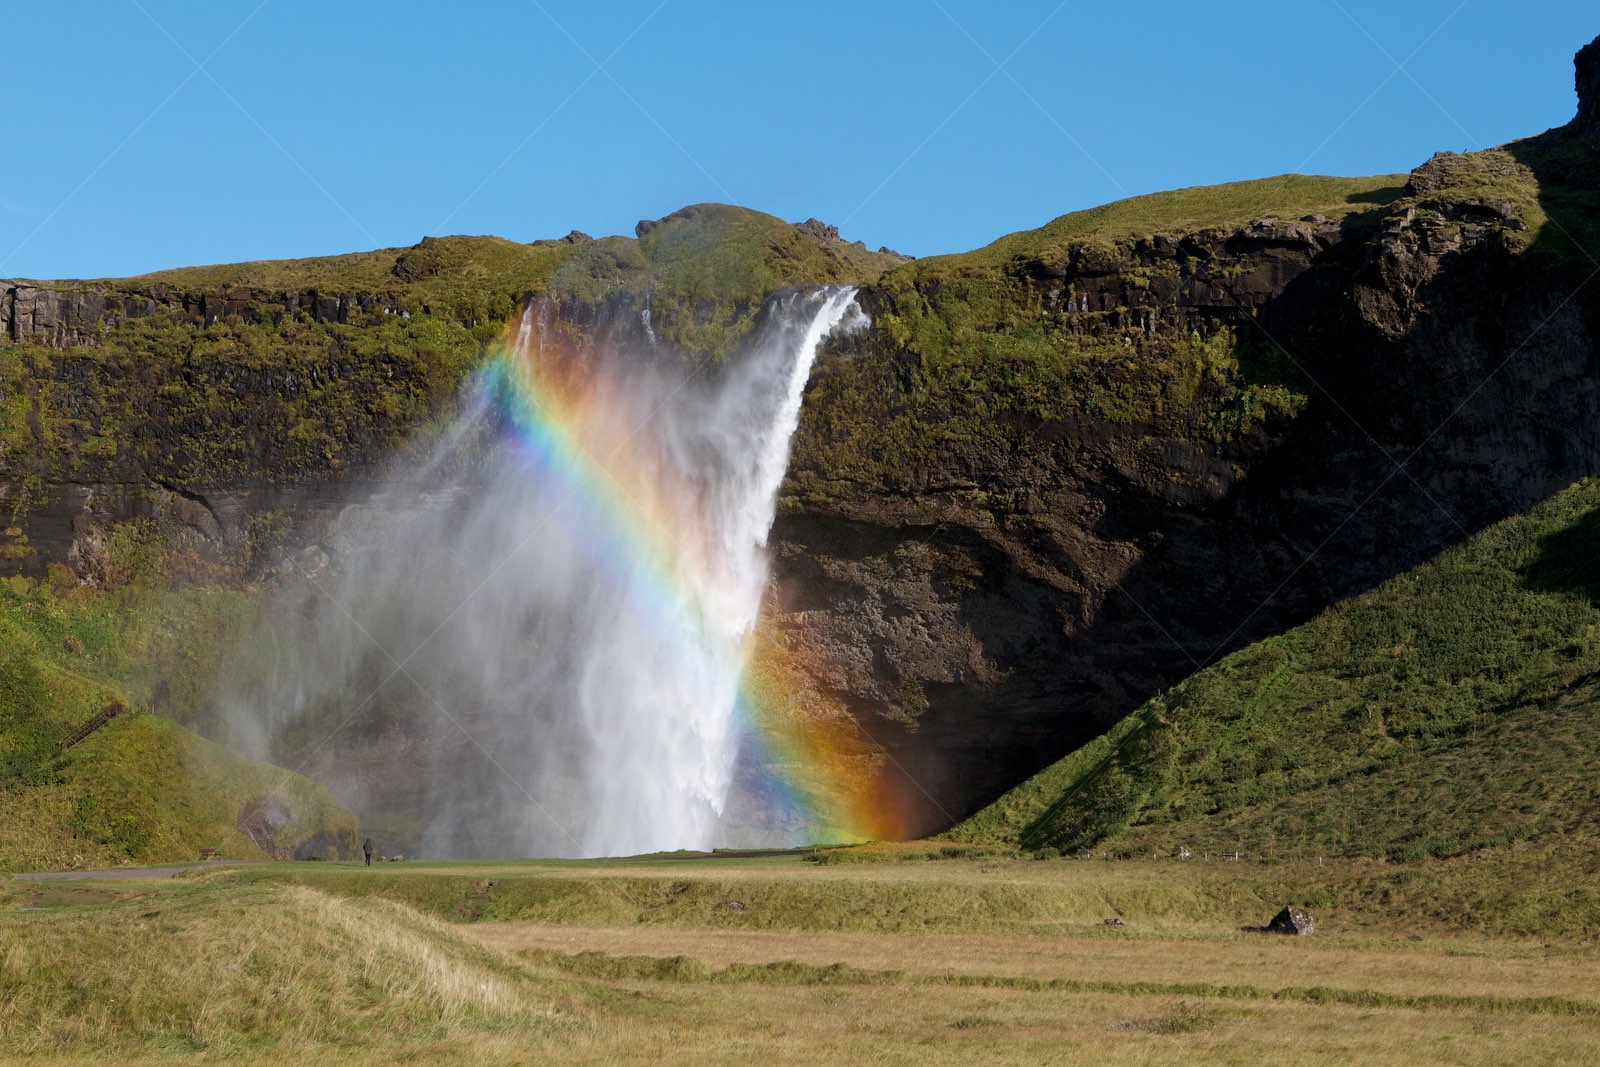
<point x="874" y="1025"/>
<point x="248" y="970"/>
<point x="686" y="1023"/>
<point x="237" y="966"/>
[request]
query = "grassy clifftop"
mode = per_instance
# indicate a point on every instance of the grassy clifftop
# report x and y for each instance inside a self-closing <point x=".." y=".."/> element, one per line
<point x="1179" y="212"/>
<point x="1454" y="709"/>
<point x="715" y="260"/>
<point x="289" y="370"/>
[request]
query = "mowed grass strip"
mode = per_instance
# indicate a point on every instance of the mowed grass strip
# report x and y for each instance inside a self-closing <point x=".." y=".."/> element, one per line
<point x="1454" y="966"/>
<point x="1016" y="895"/>
<point x="783" y="1014"/>
<point x="1541" y="893"/>
<point x="688" y="968"/>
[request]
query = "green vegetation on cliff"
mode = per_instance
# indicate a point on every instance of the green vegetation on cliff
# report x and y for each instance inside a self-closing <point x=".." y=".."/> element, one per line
<point x="1072" y="320"/>
<point x="1178" y="212"/>
<point x="202" y="405"/>
<point x="986" y="348"/>
<point x="1454" y="709"/>
<point x="293" y="370"/>
<point x="1550" y="184"/>
<point x="141" y="787"/>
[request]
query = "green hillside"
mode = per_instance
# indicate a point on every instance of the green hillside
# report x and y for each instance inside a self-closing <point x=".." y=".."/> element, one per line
<point x="1455" y="708"/>
<point x="140" y="788"/>
<point x="1178" y="211"/>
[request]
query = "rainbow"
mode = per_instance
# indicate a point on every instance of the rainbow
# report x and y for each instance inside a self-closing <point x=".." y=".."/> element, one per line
<point x="583" y="435"/>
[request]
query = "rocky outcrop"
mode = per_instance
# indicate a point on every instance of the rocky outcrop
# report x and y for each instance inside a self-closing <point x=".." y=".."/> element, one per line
<point x="64" y="315"/>
<point x="1586" y="66"/>
<point x="818" y="230"/>
<point x="271" y="826"/>
<point x="1296" y="922"/>
<point x="1194" y="281"/>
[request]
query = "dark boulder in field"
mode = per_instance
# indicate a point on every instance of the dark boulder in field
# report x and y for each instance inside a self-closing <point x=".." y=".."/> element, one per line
<point x="1293" y="920"/>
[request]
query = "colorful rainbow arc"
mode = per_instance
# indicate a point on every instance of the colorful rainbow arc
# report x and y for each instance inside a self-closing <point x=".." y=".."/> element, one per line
<point x="575" y="432"/>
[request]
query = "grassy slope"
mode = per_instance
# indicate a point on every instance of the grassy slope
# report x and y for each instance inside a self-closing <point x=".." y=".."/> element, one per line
<point x="710" y="248"/>
<point x="140" y="788"/>
<point x="1454" y="709"/>
<point x="1177" y="211"/>
<point x="249" y="972"/>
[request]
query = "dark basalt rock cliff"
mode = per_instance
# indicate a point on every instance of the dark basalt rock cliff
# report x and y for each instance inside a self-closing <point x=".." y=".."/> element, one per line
<point x="64" y="318"/>
<point x="989" y="605"/>
<point x="1054" y="478"/>
<point x="1587" y="83"/>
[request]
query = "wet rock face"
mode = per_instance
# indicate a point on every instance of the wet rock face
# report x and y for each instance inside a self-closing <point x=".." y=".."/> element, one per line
<point x="261" y="819"/>
<point x="264" y="819"/>
<point x="326" y="844"/>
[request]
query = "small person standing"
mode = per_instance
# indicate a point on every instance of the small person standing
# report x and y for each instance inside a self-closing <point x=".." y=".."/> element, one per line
<point x="366" y="850"/>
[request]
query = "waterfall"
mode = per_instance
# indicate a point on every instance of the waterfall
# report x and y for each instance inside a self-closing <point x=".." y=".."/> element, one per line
<point x="530" y="641"/>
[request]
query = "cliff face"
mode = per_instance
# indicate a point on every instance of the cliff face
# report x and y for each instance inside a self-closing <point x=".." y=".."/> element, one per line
<point x="1056" y="476"/>
<point x="985" y="605"/>
<point x="67" y="317"/>
<point x="1587" y="84"/>
<point x="234" y="408"/>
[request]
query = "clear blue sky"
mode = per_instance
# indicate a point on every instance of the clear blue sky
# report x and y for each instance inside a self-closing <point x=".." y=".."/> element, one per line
<point x="142" y="134"/>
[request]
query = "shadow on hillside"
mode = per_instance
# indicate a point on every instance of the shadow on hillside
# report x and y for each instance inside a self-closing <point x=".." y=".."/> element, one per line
<point x="1568" y="172"/>
<point x="1568" y="560"/>
<point x="1380" y="199"/>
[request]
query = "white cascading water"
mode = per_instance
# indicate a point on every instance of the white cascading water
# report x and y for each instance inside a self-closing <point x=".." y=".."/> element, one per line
<point x="531" y="643"/>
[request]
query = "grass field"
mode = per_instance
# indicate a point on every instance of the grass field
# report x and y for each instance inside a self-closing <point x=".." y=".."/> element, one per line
<point x="983" y="958"/>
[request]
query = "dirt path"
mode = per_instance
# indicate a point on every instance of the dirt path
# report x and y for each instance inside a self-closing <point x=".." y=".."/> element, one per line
<point x="117" y="874"/>
<point x="1260" y="960"/>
